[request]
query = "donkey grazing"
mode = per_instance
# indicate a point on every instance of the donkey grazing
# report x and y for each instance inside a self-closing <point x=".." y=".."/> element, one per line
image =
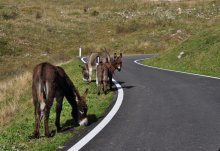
<point x="116" y="61"/>
<point x="51" y="82"/>
<point x="91" y="63"/>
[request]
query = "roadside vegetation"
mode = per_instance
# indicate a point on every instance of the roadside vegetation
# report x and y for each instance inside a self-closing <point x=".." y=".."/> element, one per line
<point x="201" y="54"/>
<point x="199" y="51"/>
<point x="17" y="113"/>
<point x="35" y="31"/>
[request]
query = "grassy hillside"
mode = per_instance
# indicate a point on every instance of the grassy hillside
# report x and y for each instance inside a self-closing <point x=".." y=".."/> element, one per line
<point x="34" y="31"/>
<point x="53" y="30"/>
<point x="201" y="54"/>
<point x="17" y="113"/>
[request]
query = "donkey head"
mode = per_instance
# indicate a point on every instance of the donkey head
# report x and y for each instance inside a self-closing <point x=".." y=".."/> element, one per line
<point x="82" y="109"/>
<point x="85" y="71"/>
<point x="117" y="61"/>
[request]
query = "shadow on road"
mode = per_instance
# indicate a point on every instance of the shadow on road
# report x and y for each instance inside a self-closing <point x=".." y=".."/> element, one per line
<point x="123" y="86"/>
<point x="69" y="124"/>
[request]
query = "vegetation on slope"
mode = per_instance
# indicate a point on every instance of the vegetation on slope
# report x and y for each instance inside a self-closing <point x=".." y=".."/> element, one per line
<point x="34" y="31"/>
<point x="201" y="54"/>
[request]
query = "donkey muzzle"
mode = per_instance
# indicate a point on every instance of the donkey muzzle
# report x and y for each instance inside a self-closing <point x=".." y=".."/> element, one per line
<point x="83" y="122"/>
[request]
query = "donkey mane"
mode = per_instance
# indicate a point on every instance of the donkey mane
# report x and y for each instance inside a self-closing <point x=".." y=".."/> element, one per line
<point x="69" y="83"/>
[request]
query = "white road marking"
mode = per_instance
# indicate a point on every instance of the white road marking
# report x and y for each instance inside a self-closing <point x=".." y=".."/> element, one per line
<point x="137" y="62"/>
<point x="104" y="122"/>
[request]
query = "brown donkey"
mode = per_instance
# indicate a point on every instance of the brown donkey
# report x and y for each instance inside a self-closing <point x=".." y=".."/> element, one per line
<point x="105" y="71"/>
<point x="91" y="63"/>
<point x="116" y="62"/>
<point x="51" y="82"/>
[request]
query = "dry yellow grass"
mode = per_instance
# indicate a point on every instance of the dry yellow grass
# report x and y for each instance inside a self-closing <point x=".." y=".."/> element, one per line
<point x="11" y="94"/>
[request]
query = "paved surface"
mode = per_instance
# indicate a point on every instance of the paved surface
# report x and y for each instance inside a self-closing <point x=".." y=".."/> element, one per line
<point x="162" y="111"/>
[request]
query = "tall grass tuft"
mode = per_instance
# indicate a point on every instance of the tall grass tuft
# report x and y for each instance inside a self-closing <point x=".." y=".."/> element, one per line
<point x="13" y="96"/>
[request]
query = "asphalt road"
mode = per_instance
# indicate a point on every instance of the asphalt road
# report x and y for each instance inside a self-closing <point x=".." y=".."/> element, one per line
<point x="162" y="111"/>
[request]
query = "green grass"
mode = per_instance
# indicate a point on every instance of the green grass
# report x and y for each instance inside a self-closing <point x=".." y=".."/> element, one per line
<point x="201" y="56"/>
<point x="15" y="134"/>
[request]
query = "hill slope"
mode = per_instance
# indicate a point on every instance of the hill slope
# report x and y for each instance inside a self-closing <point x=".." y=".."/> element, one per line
<point x="201" y="54"/>
<point x="35" y="31"/>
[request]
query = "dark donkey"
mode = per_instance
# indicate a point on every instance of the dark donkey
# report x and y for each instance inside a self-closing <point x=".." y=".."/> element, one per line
<point x="116" y="63"/>
<point x="51" y="82"/>
<point x="103" y="71"/>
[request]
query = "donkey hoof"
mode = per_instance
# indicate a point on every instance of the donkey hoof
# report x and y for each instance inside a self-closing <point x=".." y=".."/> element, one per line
<point x="35" y="135"/>
<point x="51" y="134"/>
<point x="59" y="130"/>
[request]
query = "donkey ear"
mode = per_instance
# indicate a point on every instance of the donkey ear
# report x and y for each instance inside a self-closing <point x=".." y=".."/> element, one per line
<point x="121" y="55"/>
<point x="115" y="55"/>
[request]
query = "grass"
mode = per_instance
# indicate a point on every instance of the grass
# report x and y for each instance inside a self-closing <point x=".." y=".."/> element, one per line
<point x="11" y="96"/>
<point x="17" y="118"/>
<point x="35" y="31"/>
<point x="201" y="54"/>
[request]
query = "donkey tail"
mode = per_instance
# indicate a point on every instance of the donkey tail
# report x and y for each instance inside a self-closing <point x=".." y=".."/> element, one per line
<point x="43" y="88"/>
<point x="42" y="97"/>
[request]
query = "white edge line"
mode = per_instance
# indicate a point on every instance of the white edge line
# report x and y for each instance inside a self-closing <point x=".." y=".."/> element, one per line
<point x="137" y="62"/>
<point x="104" y="122"/>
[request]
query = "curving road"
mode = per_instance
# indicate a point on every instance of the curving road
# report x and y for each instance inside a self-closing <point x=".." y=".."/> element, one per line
<point x="162" y="111"/>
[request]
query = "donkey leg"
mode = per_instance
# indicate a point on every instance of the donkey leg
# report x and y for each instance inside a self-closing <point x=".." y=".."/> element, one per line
<point x="58" y="111"/>
<point x="110" y="81"/>
<point x="105" y="80"/>
<point x="99" y="87"/>
<point x="90" y="74"/>
<point x="74" y="112"/>
<point x="36" y="133"/>
<point x="46" y="120"/>
<point x="104" y="86"/>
